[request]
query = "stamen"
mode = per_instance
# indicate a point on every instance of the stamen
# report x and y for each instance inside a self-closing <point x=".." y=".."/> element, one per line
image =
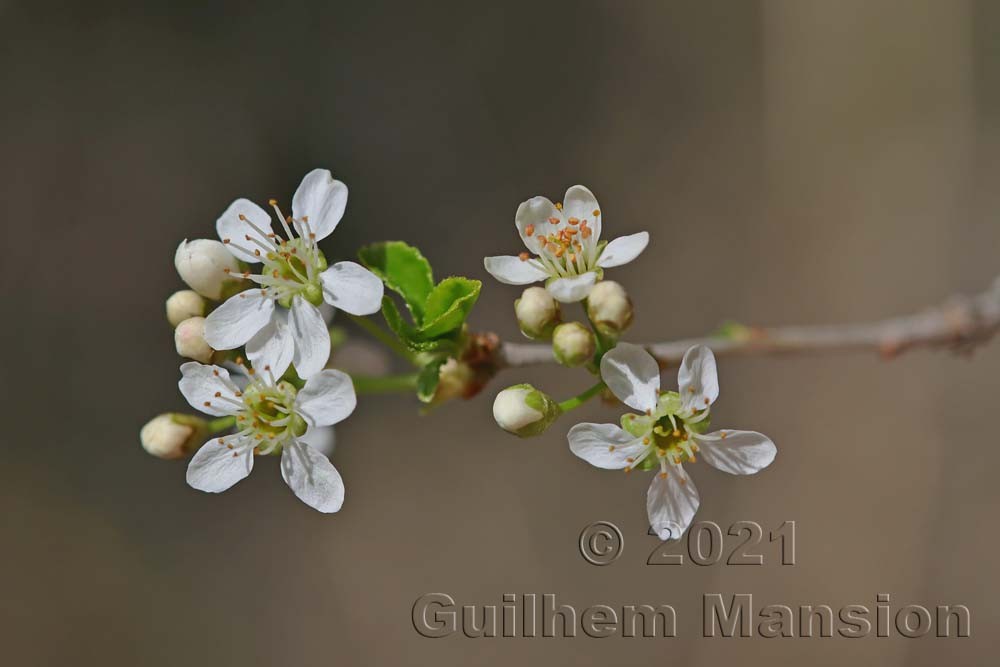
<point x="241" y="248"/>
<point x="257" y="229"/>
<point x="529" y="230"/>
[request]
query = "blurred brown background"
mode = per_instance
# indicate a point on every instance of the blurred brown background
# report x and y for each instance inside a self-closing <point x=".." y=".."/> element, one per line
<point x="802" y="161"/>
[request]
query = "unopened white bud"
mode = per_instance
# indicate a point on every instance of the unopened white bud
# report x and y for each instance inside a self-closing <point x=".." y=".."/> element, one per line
<point x="172" y="435"/>
<point x="524" y="411"/>
<point x="455" y="379"/>
<point x="537" y="313"/>
<point x="573" y="344"/>
<point x="184" y="304"/>
<point x="609" y="308"/>
<point x="203" y="265"/>
<point x="189" y="338"/>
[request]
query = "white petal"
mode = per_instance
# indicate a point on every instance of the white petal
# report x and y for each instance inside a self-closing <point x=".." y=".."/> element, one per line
<point x="322" y="199"/>
<point x="604" y="445"/>
<point x="327" y="398"/>
<point x="623" y="250"/>
<point x="671" y="505"/>
<point x="321" y="438"/>
<point x="312" y="338"/>
<point x="632" y="375"/>
<point x="273" y="345"/>
<point x="312" y="477"/>
<point x="215" y="467"/>
<point x="737" y="452"/>
<point x="580" y="203"/>
<point x="199" y="384"/>
<point x="233" y="231"/>
<point x="236" y="321"/>
<point x="535" y="215"/>
<point x="352" y="288"/>
<point x="697" y="378"/>
<point x="571" y="290"/>
<point x="512" y="271"/>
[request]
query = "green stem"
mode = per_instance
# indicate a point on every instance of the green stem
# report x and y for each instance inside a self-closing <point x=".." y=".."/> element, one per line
<point x="603" y="344"/>
<point x="221" y="424"/>
<point x="384" y="337"/>
<point x="385" y="384"/>
<point x="580" y="399"/>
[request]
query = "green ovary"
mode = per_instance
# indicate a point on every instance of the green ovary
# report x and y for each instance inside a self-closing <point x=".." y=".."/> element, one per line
<point x="270" y="414"/>
<point x="297" y="265"/>
<point x="667" y="431"/>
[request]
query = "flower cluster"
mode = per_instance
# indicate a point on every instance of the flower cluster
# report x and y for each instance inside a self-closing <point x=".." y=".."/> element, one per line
<point x="255" y="325"/>
<point x="565" y="250"/>
<point x="259" y="293"/>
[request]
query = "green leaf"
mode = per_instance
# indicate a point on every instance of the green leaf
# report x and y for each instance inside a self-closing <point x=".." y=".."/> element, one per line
<point x="427" y="381"/>
<point x="448" y="304"/>
<point x="403" y="269"/>
<point x="403" y="330"/>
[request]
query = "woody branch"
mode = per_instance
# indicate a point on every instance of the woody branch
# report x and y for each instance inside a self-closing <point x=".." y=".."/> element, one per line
<point x="958" y="324"/>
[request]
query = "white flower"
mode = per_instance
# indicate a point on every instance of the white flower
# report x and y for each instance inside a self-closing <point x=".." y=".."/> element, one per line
<point x="270" y="417"/>
<point x="280" y="323"/>
<point x="565" y="241"/>
<point x="668" y="434"/>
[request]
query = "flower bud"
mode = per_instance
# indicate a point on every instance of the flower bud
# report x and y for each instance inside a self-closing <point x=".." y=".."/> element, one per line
<point x="537" y="313"/>
<point x="454" y="380"/>
<point x="184" y="304"/>
<point x="524" y="411"/>
<point x="173" y="435"/>
<point x="573" y="344"/>
<point x="202" y="264"/>
<point x="189" y="338"/>
<point x="609" y="308"/>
